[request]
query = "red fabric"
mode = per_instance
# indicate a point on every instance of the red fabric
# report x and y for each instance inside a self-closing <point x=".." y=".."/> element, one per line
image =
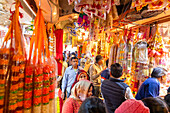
<point x="71" y="106"/>
<point x="61" y="104"/>
<point x="59" y="49"/>
<point x="132" y="106"/>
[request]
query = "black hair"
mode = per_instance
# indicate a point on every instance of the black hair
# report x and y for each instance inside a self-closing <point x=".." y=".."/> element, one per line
<point x="74" y="58"/>
<point x="72" y="54"/>
<point x="158" y="72"/>
<point x="107" y="62"/>
<point x="92" y="105"/>
<point x="91" y="85"/>
<point x="98" y="58"/>
<point x="168" y="90"/>
<point x="116" y="70"/>
<point x="156" y="105"/>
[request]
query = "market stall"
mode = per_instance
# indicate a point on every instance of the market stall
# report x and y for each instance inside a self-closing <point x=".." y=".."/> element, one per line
<point x="134" y="34"/>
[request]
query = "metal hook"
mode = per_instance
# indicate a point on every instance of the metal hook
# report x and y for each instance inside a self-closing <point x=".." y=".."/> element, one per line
<point x="51" y="10"/>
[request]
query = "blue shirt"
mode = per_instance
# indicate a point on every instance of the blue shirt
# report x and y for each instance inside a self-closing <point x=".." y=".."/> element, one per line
<point x="68" y="79"/>
<point x="149" y="88"/>
<point x="105" y="74"/>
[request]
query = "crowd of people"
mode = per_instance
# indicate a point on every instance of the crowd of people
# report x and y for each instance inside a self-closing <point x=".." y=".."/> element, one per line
<point x="93" y="87"/>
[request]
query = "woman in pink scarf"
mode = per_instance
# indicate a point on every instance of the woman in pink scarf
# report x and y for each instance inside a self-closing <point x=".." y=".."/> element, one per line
<point x="79" y="93"/>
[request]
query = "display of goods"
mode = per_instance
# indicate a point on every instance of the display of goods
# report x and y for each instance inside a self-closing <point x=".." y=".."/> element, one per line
<point x="20" y="94"/>
<point x="17" y="84"/>
<point x="113" y="54"/>
<point x="98" y="8"/>
<point x="28" y="88"/>
<point x="140" y="52"/>
<point x="53" y="74"/>
<point x="156" y="46"/>
<point x="4" y="60"/>
<point x="38" y="85"/>
<point x="98" y="47"/>
<point x="83" y="20"/>
<point x="121" y="57"/>
<point x="129" y="51"/>
<point x="46" y="89"/>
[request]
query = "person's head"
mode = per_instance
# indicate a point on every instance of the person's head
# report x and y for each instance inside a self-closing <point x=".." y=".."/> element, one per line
<point x="82" y="90"/>
<point x="156" y="105"/>
<point x="72" y="55"/>
<point x="82" y="62"/>
<point x="116" y="70"/>
<point x="99" y="59"/>
<point x="159" y="73"/>
<point x="65" y="52"/>
<point x="92" y="105"/>
<point x="107" y="62"/>
<point x="75" y="52"/>
<point x="132" y="106"/>
<point x="74" y="61"/>
<point x="168" y="91"/>
<point x="82" y="75"/>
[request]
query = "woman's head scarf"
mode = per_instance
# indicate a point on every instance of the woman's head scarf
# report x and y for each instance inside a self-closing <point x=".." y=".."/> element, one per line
<point x="80" y="90"/>
<point x="78" y="75"/>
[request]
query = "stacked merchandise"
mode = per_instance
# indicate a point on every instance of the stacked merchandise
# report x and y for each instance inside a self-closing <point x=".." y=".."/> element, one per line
<point x="121" y="56"/>
<point x="13" y="65"/>
<point x="140" y="57"/>
<point x="156" y="51"/>
<point x="26" y="86"/>
<point x="17" y="84"/>
<point x="44" y="69"/>
<point x="38" y="84"/>
<point x="4" y="60"/>
<point x="52" y="76"/>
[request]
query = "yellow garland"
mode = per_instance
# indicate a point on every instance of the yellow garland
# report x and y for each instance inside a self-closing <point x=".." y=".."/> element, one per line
<point x="58" y="105"/>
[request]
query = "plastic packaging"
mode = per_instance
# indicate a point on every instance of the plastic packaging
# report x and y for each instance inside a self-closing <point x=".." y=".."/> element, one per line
<point x="38" y="85"/>
<point x="28" y="88"/>
<point x="4" y="60"/>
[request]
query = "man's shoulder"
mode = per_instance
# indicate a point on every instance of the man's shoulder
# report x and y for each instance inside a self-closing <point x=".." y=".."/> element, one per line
<point x="68" y="68"/>
<point x="106" y="71"/>
<point x="106" y="81"/>
<point x="150" y="81"/>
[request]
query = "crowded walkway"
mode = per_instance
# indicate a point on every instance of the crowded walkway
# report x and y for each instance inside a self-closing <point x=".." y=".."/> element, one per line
<point x="91" y="86"/>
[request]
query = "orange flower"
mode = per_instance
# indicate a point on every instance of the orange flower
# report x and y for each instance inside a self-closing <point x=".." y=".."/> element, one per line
<point x="21" y="75"/>
<point x="4" y="51"/>
<point x="1" y="102"/>
<point x="20" y="104"/>
<point x="14" y="87"/>
<point x="4" y="62"/>
<point x="14" y="78"/>
<point x="3" y="71"/>
<point x="15" y="68"/>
